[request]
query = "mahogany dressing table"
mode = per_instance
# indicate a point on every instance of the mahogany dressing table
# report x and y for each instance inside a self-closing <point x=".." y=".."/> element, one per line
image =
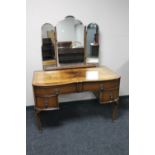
<point x="48" y="85"/>
<point x="69" y="66"/>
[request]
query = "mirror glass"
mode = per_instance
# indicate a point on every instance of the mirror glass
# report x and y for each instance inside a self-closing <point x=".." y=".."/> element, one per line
<point x="48" y="42"/>
<point x="93" y="41"/>
<point x="70" y="40"/>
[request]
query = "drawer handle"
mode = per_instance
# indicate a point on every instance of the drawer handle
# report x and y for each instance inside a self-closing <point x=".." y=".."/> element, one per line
<point x="57" y="92"/>
<point x="111" y="95"/>
<point x="79" y="87"/>
<point x="102" y="88"/>
<point x="46" y="103"/>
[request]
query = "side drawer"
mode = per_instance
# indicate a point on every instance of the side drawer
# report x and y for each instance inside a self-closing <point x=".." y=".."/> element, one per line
<point x="105" y="85"/>
<point x="55" y="90"/>
<point x="47" y="102"/>
<point x="108" y="96"/>
<point x="111" y="85"/>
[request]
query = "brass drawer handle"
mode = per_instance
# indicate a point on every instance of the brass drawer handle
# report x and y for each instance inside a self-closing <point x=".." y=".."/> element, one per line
<point x="102" y="88"/>
<point x="79" y="87"/>
<point x="46" y="103"/>
<point x="111" y="95"/>
<point x="57" y="91"/>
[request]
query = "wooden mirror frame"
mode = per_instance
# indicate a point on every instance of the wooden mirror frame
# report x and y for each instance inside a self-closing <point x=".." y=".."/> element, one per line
<point x="56" y="66"/>
<point x="94" y="58"/>
<point x="50" y="62"/>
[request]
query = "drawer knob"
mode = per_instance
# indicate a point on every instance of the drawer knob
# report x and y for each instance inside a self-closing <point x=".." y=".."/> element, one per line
<point x="46" y="103"/>
<point x="79" y="87"/>
<point x="57" y="92"/>
<point x="111" y="95"/>
<point x="102" y="88"/>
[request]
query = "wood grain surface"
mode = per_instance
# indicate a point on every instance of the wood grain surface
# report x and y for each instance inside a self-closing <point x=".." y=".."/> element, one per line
<point x="66" y="76"/>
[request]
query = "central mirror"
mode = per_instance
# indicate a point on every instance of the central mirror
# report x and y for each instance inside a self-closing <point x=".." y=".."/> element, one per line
<point x="70" y="41"/>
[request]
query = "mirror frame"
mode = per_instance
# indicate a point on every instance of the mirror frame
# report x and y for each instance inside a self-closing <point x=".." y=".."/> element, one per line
<point x="50" y="62"/>
<point x="69" y="43"/>
<point x="93" y="59"/>
<point x="56" y="65"/>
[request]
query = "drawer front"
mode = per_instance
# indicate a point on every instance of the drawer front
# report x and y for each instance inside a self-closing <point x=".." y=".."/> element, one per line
<point x="110" y="85"/>
<point x="47" y="102"/>
<point x="55" y="90"/>
<point x="97" y="86"/>
<point x="91" y="86"/>
<point x="68" y="89"/>
<point x="109" y="96"/>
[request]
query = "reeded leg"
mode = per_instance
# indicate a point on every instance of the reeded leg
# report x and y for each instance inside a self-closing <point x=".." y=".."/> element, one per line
<point x="38" y="121"/>
<point x="115" y="110"/>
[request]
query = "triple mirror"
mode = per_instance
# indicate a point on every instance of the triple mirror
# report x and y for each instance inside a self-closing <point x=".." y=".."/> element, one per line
<point x="70" y="43"/>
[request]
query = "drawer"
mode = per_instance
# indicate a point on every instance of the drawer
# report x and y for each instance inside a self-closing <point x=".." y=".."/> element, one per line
<point x="113" y="84"/>
<point x="46" y="102"/>
<point x="71" y="88"/>
<point x="55" y="90"/>
<point x="109" y="96"/>
<point x="96" y="86"/>
<point x="91" y="86"/>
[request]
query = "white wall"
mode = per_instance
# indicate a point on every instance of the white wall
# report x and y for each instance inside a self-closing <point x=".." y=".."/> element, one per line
<point x="110" y="15"/>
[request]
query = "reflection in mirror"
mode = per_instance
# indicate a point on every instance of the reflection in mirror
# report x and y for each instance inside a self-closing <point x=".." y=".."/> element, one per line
<point x="70" y="37"/>
<point x="48" y="45"/>
<point x="93" y="42"/>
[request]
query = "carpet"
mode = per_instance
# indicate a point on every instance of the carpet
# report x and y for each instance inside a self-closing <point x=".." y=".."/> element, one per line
<point x="79" y="128"/>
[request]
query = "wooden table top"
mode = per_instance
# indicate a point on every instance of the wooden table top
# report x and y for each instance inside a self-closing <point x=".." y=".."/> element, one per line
<point x="66" y="76"/>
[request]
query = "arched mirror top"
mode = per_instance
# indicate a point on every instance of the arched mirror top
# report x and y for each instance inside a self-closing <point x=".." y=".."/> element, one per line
<point x="70" y="30"/>
<point x="46" y="29"/>
<point x="71" y="19"/>
<point x="93" y="26"/>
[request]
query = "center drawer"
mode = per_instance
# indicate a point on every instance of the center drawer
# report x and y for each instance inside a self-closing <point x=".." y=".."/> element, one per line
<point x="55" y="90"/>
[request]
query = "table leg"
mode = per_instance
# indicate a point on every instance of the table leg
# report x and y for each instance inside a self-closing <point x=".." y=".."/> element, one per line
<point x="115" y="110"/>
<point x="38" y="121"/>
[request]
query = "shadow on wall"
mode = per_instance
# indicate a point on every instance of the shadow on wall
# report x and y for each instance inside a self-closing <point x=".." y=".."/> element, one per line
<point x="124" y="72"/>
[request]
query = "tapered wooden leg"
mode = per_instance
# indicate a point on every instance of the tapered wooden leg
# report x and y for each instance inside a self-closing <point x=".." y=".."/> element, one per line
<point x="115" y="110"/>
<point x="38" y="121"/>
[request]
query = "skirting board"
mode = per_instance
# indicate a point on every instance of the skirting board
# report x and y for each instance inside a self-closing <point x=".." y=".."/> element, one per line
<point x="122" y="98"/>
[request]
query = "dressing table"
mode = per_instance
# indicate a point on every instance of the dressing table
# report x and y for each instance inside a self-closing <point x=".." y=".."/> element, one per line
<point x="66" y="70"/>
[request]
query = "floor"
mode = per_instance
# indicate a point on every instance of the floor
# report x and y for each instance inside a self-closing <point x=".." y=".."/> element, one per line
<point x="79" y="128"/>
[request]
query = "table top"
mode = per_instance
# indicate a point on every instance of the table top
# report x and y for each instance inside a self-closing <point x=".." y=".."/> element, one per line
<point x="67" y="76"/>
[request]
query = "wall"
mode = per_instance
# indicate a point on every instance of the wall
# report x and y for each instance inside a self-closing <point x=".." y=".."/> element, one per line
<point x="110" y="15"/>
